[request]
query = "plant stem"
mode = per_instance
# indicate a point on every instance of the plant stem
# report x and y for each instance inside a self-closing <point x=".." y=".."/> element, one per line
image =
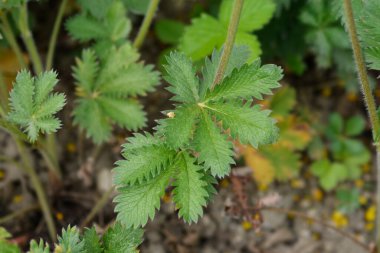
<point x="228" y="45"/>
<point x="21" y="212"/>
<point x="37" y="185"/>
<point x="28" y="39"/>
<point x="368" y="99"/>
<point x="54" y="35"/>
<point x="11" y="39"/>
<point x="153" y="5"/>
<point x="98" y="206"/>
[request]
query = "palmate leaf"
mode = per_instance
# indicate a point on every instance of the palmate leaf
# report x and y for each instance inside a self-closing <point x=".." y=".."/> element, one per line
<point x="70" y="241"/>
<point x="104" y="86"/>
<point x="189" y="192"/>
<point x="191" y="145"/>
<point x="33" y="105"/>
<point x="40" y="247"/>
<point x="91" y="241"/>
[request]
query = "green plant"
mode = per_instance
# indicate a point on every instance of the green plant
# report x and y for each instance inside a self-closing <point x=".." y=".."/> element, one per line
<point x="105" y="87"/>
<point x="197" y="125"/>
<point x="210" y="32"/>
<point x="115" y="239"/>
<point x="347" y="154"/>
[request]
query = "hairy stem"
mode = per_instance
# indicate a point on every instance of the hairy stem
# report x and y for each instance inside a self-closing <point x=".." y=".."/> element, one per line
<point x="28" y="39"/>
<point x="153" y="5"/>
<point x="98" y="206"/>
<point x="368" y="99"/>
<point x="54" y="35"/>
<point x="38" y="187"/>
<point x="11" y="39"/>
<point x="229" y="43"/>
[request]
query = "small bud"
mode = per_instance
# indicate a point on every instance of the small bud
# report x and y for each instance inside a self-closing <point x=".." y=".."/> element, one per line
<point x="170" y="114"/>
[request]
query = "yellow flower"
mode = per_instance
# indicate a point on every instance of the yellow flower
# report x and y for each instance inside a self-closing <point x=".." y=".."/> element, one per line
<point x="246" y="225"/>
<point x="352" y="97"/>
<point x="369" y="226"/>
<point x="339" y="219"/>
<point x="59" y="216"/>
<point x="359" y="183"/>
<point x="224" y="183"/>
<point x="326" y="91"/>
<point x="297" y="183"/>
<point x="2" y="174"/>
<point x="370" y="214"/>
<point x="71" y="147"/>
<point x="17" y="198"/>
<point x="363" y="200"/>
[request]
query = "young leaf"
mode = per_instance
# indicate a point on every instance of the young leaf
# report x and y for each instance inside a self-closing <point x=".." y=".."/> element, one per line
<point x="121" y="239"/>
<point x="179" y="129"/>
<point x="39" y="247"/>
<point x="91" y="241"/>
<point x="214" y="149"/>
<point x="248" y="124"/>
<point x="104" y="86"/>
<point x="248" y="81"/>
<point x="261" y="10"/>
<point x="182" y="77"/>
<point x="136" y="204"/>
<point x="142" y="163"/>
<point x="33" y="105"/>
<point x="189" y="193"/>
<point x="70" y="241"/>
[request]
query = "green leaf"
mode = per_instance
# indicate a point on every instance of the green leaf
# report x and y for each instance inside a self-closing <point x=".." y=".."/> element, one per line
<point x="7" y="247"/>
<point x="145" y="159"/>
<point x="354" y="125"/>
<point x="255" y="13"/>
<point x="137" y="203"/>
<point x="121" y="239"/>
<point x="91" y="241"/>
<point x="86" y="70"/>
<point x="213" y="148"/>
<point x="249" y="125"/>
<point x="335" y="125"/>
<point x="33" y="105"/>
<point x="207" y="32"/>
<point x="137" y="6"/>
<point x="182" y="78"/>
<point x="98" y="8"/>
<point x="283" y="101"/>
<point x="330" y="174"/>
<point x="239" y="56"/>
<point x="369" y="32"/>
<point x="69" y="241"/>
<point x="189" y="192"/>
<point x="85" y="28"/>
<point x="88" y="115"/>
<point x="252" y="42"/>
<point x="134" y="117"/>
<point x="179" y="129"/>
<point x="169" y="31"/>
<point x="248" y="81"/>
<point x="348" y="200"/>
<point x="103" y="87"/>
<point x="39" y="247"/>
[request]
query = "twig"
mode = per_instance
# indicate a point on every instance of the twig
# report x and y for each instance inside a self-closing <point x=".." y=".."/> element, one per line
<point x="28" y="39"/>
<point x="54" y="35"/>
<point x="153" y="5"/>
<point x="321" y="222"/>
<point x="228" y="45"/>
<point x="37" y="185"/>
<point x="368" y="99"/>
<point x="98" y="206"/>
<point x="11" y="39"/>
<point x="18" y="213"/>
